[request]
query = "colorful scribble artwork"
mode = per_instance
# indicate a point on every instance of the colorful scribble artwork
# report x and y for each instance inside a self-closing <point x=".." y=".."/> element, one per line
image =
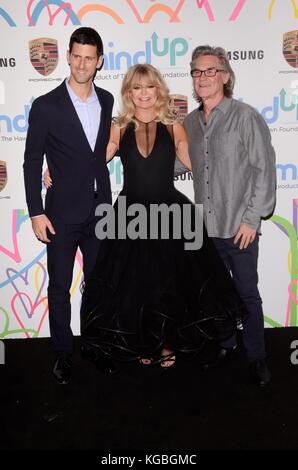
<point x="26" y="285"/>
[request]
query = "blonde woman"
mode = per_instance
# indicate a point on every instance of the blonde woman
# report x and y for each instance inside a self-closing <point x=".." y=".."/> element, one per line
<point x="148" y="298"/>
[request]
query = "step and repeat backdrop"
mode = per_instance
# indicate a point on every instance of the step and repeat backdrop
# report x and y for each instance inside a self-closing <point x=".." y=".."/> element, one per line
<point x="261" y="37"/>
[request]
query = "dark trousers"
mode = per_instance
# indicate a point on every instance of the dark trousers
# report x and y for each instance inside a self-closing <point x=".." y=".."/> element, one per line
<point x="61" y="257"/>
<point x="243" y="265"/>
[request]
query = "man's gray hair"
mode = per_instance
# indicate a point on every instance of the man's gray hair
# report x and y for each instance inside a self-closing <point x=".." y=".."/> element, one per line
<point x="221" y="54"/>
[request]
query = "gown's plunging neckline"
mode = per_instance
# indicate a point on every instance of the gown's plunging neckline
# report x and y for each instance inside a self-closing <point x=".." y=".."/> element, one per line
<point x="141" y="154"/>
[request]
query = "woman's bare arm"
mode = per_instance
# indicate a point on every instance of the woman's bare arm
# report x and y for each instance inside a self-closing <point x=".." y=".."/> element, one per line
<point x="113" y="144"/>
<point x="181" y="144"/>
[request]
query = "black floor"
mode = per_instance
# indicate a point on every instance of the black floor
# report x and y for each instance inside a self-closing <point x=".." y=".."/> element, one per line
<point x="148" y="408"/>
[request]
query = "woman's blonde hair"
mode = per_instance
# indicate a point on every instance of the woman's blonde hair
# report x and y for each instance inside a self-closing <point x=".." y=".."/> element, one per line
<point x="163" y="111"/>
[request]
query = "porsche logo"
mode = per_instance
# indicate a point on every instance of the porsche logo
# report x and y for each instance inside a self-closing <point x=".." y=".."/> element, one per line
<point x="178" y="104"/>
<point x="290" y="48"/>
<point x="44" y="55"/>
<point x="3" y="175"/>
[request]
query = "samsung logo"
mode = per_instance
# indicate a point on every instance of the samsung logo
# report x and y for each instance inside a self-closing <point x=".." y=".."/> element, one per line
<point x="246" y="55"/>
<point x="7" y="62"/>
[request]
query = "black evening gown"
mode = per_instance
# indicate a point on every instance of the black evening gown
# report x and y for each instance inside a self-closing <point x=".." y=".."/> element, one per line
<point x="148" y="293"/>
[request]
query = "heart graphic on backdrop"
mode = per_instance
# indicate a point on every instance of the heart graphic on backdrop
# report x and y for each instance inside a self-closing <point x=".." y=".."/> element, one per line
<point x="17" y="219"/>
<point x="24" y="308"/>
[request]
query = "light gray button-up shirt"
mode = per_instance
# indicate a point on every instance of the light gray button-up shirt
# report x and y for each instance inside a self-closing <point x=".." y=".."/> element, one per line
<point x="88" y="112"/>
<point x="233" y="164"/>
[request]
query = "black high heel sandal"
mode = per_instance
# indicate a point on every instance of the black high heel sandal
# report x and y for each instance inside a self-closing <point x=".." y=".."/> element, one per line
<point x="146" y="364"/>
<point x="168" y="358"/>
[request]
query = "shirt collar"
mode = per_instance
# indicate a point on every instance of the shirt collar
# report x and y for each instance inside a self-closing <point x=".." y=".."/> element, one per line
<point x="223" y="106"/>
<point x="76" y="99"/>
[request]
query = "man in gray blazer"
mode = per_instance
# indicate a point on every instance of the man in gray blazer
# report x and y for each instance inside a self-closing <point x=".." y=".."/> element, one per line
<point x="233" y="165"/>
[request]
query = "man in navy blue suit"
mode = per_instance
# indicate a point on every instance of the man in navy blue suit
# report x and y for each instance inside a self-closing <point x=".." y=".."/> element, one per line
<point x="70" y="126"/>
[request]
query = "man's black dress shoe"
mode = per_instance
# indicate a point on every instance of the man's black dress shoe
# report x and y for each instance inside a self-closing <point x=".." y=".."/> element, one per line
<point x="260" y="372"/>
<point x="62" y="369"/>
<point x="222" y="356"/>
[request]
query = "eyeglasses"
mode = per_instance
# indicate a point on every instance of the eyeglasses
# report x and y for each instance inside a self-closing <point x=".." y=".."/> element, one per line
<point x="208" y="72"/>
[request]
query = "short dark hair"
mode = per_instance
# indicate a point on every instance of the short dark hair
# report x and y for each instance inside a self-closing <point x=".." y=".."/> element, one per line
<point x="87" y="36"/>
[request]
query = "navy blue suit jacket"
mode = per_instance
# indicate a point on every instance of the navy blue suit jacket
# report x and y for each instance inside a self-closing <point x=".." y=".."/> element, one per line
<point x="55" y="131"/>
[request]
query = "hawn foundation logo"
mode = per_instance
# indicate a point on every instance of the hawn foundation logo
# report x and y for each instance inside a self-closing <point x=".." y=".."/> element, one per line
<point x="3" y="175"/>
<point x="44" y="55"/>
<point x="290" y="48"/>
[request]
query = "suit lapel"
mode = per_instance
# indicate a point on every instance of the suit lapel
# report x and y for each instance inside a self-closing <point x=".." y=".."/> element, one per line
<point x="103" y="116"/>
<point x="73" y="116"/>
<point x="71" y="113"/>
